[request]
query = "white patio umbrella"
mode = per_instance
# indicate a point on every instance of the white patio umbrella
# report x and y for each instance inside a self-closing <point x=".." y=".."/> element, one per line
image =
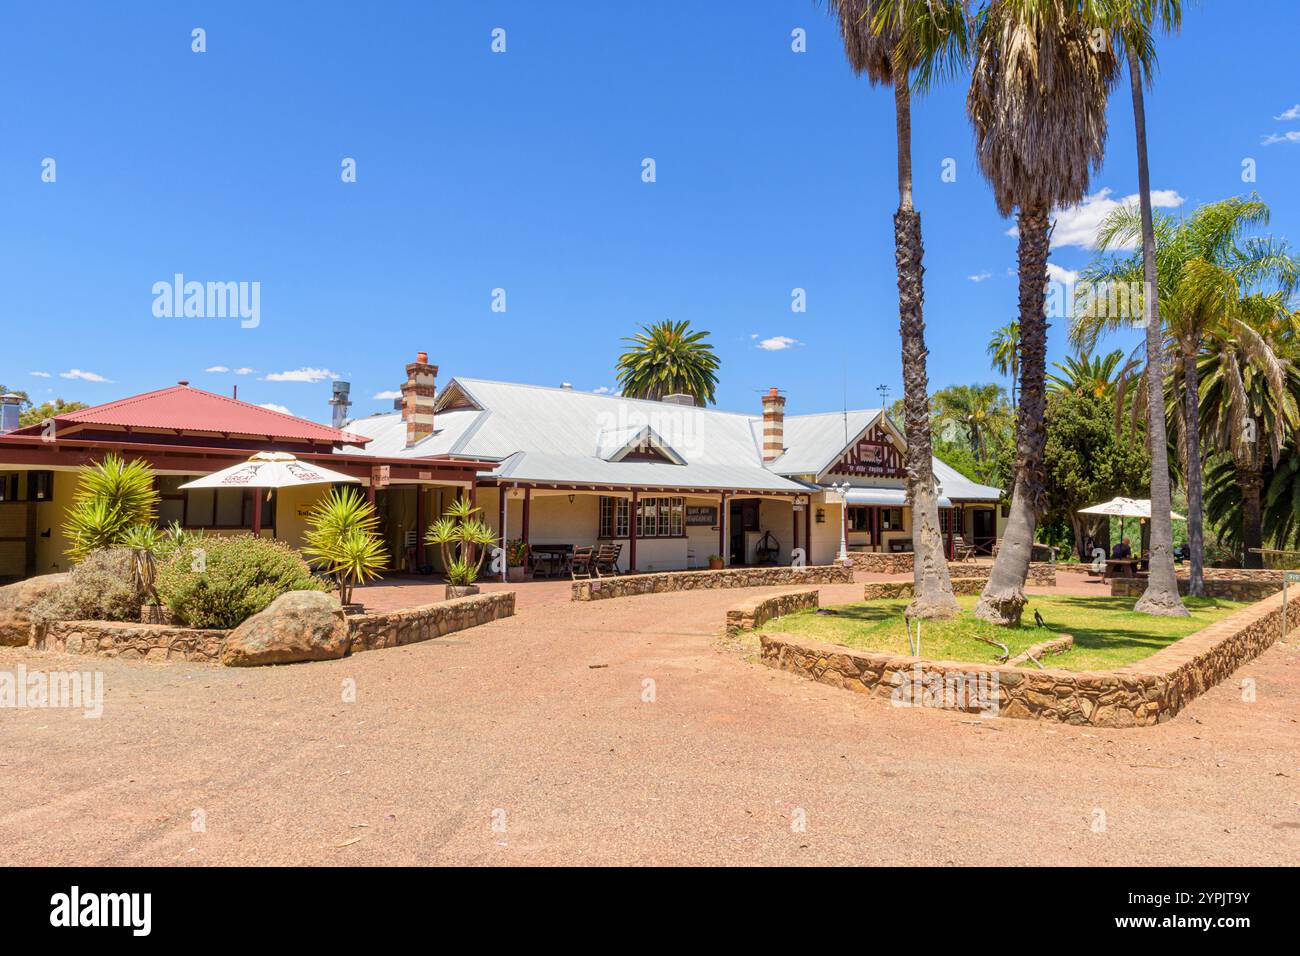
<point x="1124" y="508"/>
<point x="269" y="469"/>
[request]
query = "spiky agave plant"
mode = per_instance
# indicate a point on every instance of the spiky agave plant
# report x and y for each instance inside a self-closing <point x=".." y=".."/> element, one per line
<point x="113" y="496"/>
<point x="463" y="538"/>
<point x="342" y="537"/>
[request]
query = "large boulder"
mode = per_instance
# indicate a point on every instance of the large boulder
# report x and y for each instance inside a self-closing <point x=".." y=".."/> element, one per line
<point x="16" y="602"/>
<point x="298" y="626"/>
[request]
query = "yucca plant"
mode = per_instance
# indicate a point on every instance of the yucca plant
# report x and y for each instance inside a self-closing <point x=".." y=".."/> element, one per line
<point x="342" y="538"/>
<point x="145" y="542"/>
<point x="463" y="538"/>
<point x="113" y="496"/>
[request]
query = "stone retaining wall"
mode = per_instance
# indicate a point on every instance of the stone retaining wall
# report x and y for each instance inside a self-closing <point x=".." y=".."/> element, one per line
<point x="631" y="584"/>
<point x="369" y="632"/>
<point x="1226" y="588"/>
<point x="366" y="632"/>
<point x="880" y="562"/>
<point x="752" y="615"/>
<point x="130" y="641"/>
<point x="1141" y="694"/>
<point x="1041" y="573"/>
<point x="876" y="590"/>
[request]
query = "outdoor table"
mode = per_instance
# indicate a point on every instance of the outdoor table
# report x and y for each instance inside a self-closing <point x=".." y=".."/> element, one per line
<point x="1121" y="568"/>
<point x="550" y="558"/>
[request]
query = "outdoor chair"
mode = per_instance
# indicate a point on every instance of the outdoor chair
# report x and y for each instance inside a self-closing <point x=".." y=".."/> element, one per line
<point x="606" y="560"/>
<point x="582" y="564"/>
<point x="961" y="551"/>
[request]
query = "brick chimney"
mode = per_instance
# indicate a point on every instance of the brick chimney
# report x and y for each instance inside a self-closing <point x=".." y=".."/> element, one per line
<point x="773" y="425"/>
<point x="417" y="398"/>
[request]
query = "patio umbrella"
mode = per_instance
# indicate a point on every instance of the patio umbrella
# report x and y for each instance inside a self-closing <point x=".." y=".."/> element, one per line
<point x="1124" y="508"/>
<point x="269" y="469"/>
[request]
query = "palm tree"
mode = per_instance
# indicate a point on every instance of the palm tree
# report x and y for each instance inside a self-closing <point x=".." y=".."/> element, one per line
<point x="1004" y="353"/>
<point x="1131" y="23"/>
<point x="668" y="358"/>
<point x="1038" y="104"/>
<point x="1247" y="405"/>
<point x="1102" y="376"/>
<point x="888" y="41"/>
<point x="979" y="410"/>
<point x="1206" y="264"/>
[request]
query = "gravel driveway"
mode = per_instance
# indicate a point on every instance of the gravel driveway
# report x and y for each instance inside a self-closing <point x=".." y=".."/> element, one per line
<point x="624" y="731"/>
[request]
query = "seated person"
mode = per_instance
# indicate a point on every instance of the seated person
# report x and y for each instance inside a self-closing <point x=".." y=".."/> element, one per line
<point x="1182" y="553"/>
<point x="1122" y="550"/>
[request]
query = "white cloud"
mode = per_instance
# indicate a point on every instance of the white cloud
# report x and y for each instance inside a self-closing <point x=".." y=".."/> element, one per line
<point x="216" y="368"/>
<point x="1056" y="273"/>
<point x="271" y="406"/>
<point x="1292" y="114"/>
<point x="384" y="396"/>
<point x="1291" y="137"/>
<point x="245" y="371"/>
<point x="41" y="374"/>
<point x="302" y="375"/>
<point x="84" y="376"/>
<point x="778" y="343"/>
<point x="603" y="390"/>
<point x="1077" y="225"/>
<point x="980" y="276"/>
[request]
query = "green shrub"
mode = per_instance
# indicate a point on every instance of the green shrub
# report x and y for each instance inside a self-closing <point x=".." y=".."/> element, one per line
<point x="220" y="582"/>
<point x="101" y="588"/>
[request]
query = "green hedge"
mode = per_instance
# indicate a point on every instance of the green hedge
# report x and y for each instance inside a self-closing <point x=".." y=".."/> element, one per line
<point x="220" y="582"/>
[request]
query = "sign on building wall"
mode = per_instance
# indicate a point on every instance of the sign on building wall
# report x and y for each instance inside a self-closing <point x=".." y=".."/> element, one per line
<point x="379" y="476"/>
<point x="701" y="515"/>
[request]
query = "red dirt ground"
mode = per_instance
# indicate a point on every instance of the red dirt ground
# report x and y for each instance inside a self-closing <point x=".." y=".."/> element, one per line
<point x="539" y="724"/>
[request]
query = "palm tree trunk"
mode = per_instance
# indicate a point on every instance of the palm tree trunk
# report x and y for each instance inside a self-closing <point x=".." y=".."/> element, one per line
<point x="1003" y="597"/>
<point x="932" y="588"/>
<point x="1195" y="495"/>
<point x="1252" y="525"/>
<point x="1161" y="595"/>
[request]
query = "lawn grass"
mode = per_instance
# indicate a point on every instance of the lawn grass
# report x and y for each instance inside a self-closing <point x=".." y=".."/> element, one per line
<point x="1107" y="632"/>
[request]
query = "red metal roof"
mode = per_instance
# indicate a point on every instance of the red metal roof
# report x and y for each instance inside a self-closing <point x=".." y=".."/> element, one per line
<point x="182" y="408"/>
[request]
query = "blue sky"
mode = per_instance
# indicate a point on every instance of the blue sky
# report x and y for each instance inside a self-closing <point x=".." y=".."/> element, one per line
<point x="522" y="171"/>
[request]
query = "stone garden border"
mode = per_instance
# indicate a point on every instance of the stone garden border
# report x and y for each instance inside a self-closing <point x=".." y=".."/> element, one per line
<point x="753" y="614"/>
<point x="366" y="632"/>
<point x="627" y="585"/>
<point x="1230" y="584"/>
<point x="877" y="590"/>
<point x="1148" y="692"/>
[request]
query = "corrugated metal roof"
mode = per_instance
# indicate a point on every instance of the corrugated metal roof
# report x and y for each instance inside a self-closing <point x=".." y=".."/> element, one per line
<point x="559" y="435"/>
<point x="813" y="442"/>
<point x="562" y="436"/>
<point x="958" y="486"/>
<point x="887" y="497"/>
<point x="182" y="408"/>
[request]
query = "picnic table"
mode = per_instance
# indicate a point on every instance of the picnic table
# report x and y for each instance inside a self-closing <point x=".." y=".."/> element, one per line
<point x="1124" y="567"/>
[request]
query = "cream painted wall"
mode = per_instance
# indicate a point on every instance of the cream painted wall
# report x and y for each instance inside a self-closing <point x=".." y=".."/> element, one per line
<point x="50" y="550"/>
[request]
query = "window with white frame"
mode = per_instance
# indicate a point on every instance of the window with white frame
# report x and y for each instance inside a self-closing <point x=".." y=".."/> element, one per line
<point x="655" y="517"/>
<point x="614" y="517"/>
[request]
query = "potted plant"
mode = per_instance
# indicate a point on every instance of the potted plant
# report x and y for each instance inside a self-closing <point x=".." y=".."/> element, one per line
<point x="516" y="559"/>
<point x="715" y="562"/>
<point x="342" y="538"/>
<point x="462" y="537"/>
